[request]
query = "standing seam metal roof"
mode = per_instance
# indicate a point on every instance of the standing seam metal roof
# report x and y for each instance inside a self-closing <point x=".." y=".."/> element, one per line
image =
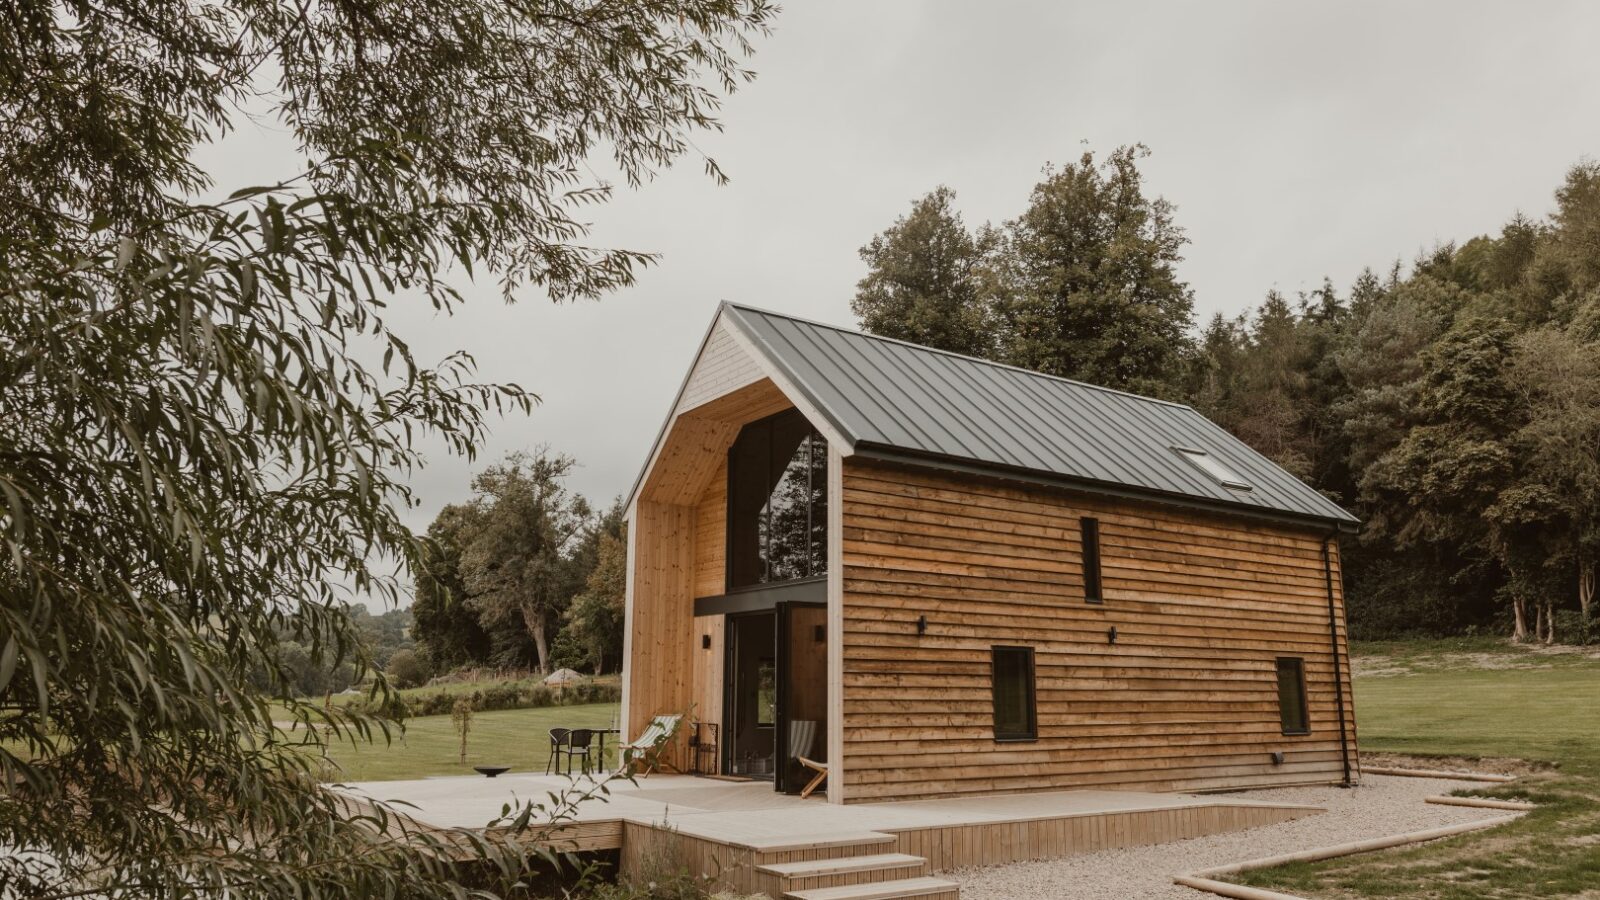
<point x="882" y="393"/>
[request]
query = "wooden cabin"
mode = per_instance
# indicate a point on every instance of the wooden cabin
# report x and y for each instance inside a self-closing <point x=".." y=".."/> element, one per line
<point x="943" y="576"/>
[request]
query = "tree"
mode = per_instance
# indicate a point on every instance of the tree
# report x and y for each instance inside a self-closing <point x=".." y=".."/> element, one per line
<point x="1557" y="377"/>
<point x="208" y="421"/>
<point x="1444" y="479"/>
<point x="447" y="623"/>
<point x="595" y="620"/>
<point x="516" y="557"/>
<point x="1088" y="279"/>
<point x="923" y="282"/>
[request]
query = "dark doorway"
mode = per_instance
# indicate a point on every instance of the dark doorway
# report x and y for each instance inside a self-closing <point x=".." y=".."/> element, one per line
<point x="751" y="690"/>
<point x="776" y="693"/>
<point x="802" y="692"/>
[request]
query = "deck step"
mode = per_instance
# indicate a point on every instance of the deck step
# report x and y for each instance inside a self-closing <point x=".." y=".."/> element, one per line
<point x="883" y="890"/>
<point x="816" y="868"/>
<point x="791" y="843"/>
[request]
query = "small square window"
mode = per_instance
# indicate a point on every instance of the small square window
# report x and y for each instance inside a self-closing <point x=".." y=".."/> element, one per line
<point x="1292" y="695"/>
<point x="1015" y="716"/>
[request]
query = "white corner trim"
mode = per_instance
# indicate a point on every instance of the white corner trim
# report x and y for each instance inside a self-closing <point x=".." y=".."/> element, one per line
<point x="631" y="517"/>
<point x="837" y="777"/>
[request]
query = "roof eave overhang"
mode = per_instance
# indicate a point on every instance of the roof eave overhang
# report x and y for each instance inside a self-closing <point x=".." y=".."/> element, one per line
<point x="888" y="453"/>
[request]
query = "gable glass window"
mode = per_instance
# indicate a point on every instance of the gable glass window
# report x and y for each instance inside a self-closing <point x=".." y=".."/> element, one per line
<point x="777" y="502"/>
<point x="1015" y="718"/>
<point x="1089" y="533"/>
<point x="1292" y="695"/>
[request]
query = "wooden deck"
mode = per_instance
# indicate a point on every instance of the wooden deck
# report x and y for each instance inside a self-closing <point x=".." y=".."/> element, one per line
<point x="747" y="838"/>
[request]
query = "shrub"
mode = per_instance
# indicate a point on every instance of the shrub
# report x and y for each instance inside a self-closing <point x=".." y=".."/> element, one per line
<point x="408" y="669"/>
<point x="1572" y="628"/>
<point x="504" y="695"/>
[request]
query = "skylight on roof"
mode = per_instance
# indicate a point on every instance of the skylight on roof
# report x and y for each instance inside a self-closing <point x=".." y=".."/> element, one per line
<point x="1214" y="467"/>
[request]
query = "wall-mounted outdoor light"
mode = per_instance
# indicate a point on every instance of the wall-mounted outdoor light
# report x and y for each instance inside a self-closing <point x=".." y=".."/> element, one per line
<point x="1111" y="635"/>
<point x="821" y="634"/>
<point x="922" y="625"/>
<point x="1277" y="757"/>
<point x="705" y="642"/>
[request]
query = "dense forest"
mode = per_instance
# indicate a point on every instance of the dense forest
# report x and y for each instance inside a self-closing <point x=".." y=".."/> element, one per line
<point x="1453" y="403"/>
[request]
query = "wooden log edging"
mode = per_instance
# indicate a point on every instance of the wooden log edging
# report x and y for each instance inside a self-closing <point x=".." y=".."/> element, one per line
<point x="1441" y="773"/>
<point x="1205" y="879"/>
<point x="1229" y="889"/>
<point x="1481" y="803"/>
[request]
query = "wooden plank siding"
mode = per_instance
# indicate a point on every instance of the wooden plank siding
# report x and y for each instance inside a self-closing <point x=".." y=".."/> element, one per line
<point x="1186" y="699"/>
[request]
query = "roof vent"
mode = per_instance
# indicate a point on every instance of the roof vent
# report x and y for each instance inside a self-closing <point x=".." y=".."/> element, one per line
<point x="1214" y="467"/>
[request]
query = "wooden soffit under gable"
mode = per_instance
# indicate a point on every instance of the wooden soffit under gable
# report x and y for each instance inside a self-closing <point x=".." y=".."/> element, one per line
<point x="730" y="384"/>
<point x="697" y="441"/>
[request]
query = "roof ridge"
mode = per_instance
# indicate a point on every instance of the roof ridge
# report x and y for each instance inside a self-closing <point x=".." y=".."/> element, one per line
<point x="950" y="353"/>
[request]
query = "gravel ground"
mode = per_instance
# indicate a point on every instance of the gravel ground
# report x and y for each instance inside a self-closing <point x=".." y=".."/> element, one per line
<point x="1381" y="805"/>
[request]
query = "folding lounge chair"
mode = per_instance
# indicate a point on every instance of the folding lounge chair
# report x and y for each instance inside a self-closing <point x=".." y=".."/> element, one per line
<point x="651" y="744"/>
<point x="822" y="773"/>
<point x="802" y="734"/>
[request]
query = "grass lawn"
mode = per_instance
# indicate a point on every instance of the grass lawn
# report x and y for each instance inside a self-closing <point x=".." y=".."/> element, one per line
<point x="1509" y="702"/>
<point x="515" y="737"/>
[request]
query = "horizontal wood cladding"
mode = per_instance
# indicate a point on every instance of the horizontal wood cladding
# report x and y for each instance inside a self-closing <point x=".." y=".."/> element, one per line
<point x="1185" y="699"/>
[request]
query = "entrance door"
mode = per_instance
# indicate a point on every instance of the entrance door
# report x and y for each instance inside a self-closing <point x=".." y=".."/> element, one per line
<point x="802" y="713"/>
<point x="751" y="694"/>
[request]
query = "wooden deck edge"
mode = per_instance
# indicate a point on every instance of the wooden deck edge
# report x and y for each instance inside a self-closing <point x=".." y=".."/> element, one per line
<point x="564" y="837"/>
<point x="1303" y="808"/>
<point x="948" y="847"/>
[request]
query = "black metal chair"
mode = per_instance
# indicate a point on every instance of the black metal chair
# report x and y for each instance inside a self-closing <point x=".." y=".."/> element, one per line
<point x="558" y="737"/>
<point x="576" y="745"/>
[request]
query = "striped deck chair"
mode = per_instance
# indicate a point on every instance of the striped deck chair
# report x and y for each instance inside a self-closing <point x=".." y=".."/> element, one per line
<point x="802" y="734"/>
<point x="651" y="744"/>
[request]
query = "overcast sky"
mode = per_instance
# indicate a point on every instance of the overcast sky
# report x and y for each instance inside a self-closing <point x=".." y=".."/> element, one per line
<point x="1296" y="142"/>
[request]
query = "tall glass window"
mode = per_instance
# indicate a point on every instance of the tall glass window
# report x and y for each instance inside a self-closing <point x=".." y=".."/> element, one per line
<point x="777" y="502"/>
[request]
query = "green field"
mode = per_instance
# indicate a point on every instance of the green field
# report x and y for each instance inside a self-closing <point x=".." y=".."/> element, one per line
<point x="429" y="746"/>
<point x="1479" y="699"/>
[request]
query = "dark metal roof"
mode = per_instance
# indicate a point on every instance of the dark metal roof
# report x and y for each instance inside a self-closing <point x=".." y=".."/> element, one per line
<point x="888" y="395"/>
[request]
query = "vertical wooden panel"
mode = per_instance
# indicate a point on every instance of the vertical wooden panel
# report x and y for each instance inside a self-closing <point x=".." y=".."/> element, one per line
<point x="661" y="626"/>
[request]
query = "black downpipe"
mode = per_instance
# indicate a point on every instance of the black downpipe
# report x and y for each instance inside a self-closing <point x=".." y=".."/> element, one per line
<point x="1338" y="673"/>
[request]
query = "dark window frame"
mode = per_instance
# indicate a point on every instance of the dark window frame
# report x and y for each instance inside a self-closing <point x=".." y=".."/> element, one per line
<point x="1031" y="684"/>
<point x="1089" y="548"/>
<point x="1299" y="665"/>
